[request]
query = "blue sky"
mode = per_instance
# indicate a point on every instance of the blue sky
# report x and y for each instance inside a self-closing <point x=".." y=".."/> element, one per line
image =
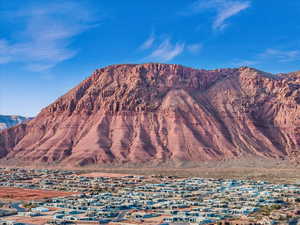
<point x="47" y="47"/>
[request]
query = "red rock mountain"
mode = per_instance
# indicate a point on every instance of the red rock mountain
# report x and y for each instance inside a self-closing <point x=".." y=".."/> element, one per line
<point x="161" y="112"/>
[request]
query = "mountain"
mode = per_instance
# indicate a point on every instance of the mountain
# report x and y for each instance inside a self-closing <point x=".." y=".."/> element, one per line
<point x="10" y="121"/>
<point x="163" y="112"/>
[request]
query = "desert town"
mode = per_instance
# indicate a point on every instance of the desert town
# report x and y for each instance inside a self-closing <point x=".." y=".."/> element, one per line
<point x="41" y="196"/>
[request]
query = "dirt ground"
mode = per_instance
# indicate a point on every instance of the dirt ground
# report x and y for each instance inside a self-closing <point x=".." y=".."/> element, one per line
<point x="275" y="171"/>
<point x="272" y="170"/>
<point x="40" y="220"/>
<point x="21" y="194"/>
<point x="275" y="175"/>
<point x="30" y="220"/>
<point x="103" y="174"/>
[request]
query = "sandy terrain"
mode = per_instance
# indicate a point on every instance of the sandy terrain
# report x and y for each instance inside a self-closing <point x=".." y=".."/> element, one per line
<point x="271" y="175"/>
<point x="40" y="220"/>
<point x="277" y="171"/>
<point x="18" y="194"/>
<point x="101" y="174"/>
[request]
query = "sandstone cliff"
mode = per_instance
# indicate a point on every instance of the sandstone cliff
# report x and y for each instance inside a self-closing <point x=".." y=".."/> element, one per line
<point x="160" y="112"/>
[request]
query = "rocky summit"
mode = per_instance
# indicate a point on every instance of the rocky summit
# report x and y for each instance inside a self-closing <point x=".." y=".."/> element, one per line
<point x="163" y="112"/>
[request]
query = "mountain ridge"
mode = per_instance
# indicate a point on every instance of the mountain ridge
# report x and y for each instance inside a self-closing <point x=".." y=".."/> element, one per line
<point x="160" y="112"/>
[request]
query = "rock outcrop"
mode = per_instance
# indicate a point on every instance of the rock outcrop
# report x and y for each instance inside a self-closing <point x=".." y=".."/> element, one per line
<point x="161" y="112"/>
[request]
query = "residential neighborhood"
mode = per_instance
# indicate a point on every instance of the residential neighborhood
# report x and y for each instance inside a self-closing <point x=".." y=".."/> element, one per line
<point x="68" y="197"/>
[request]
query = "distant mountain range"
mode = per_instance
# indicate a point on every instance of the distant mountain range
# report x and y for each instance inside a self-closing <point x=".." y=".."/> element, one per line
<point x="137" y="113"/>
<point x="7" y="121"/>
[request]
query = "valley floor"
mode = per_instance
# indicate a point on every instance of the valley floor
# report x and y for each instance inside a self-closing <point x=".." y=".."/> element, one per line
<point x="275" y="171"/>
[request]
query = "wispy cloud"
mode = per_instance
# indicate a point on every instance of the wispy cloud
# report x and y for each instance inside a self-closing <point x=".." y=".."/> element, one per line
<point x="224" y="10"/>
<point x="166" y="51"/>
<point x="281" y="55"/>
<point x="148" y="43"/>
<point x="244" y="62"/>
<point x="47" y="33"/>
<point x="194" y="48"/>
<point x="163" y="49"/>
<point x="270" y="55"/>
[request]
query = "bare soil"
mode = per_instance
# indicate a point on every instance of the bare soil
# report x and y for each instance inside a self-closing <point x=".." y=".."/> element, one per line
<point x="21" y="194"/>
<point x="272" y="170"/>
<point x="104" y="174"/>
<point x="275" y="171"/>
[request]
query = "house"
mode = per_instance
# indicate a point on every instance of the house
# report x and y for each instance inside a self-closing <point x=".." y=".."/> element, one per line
<point x="40" y="209"/>
<point x="8" y="222"/>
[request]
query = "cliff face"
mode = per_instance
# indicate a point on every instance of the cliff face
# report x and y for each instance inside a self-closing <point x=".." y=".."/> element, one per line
<point x="161" y="112"/>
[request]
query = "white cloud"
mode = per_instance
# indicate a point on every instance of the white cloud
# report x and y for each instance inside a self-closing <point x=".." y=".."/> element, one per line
<point x="270" y="55"/>
<point x="163" y="49"/>
<point x="148" y="43"/>
<point x="245" y="63"/>
<point x="281" y="55"/>
<point x="38" y="67"/>
<point x="224" y="10"/>
<point x="194" y="48"/>
<point x="166" y="51"/>
<point x="46" y="36"/>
